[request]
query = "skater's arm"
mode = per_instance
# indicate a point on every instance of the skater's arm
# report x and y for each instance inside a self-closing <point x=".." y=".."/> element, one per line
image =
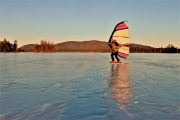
<point x="120" y="45"/>
<point x="110" y="45"/>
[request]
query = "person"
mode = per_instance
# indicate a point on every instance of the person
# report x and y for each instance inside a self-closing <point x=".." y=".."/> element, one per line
<point x="114" y="46"/>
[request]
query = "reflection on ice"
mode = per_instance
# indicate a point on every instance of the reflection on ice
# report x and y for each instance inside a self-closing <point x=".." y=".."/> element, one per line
<point x="119" y="85"/>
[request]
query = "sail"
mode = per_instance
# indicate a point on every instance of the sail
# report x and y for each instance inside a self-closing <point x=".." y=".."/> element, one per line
<point x="121" y="35"/>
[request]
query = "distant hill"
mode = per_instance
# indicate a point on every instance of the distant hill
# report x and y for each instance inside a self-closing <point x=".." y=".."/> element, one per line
<point x="93" y="44"/>
<point x="27" y="47"/>
<point x="82" y="45"/>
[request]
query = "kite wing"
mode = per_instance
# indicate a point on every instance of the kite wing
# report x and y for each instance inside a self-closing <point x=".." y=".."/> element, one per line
<point x="121" y="35"/>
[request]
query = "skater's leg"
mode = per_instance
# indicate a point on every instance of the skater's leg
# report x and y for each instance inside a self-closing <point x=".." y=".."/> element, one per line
<point x="112" y="56"/>
<point x="116" y="56"/>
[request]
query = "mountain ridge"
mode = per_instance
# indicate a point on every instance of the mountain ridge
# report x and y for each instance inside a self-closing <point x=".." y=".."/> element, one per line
<point x="90" y="44"/>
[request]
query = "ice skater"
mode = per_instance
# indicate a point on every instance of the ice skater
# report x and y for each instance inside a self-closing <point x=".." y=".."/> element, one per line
<point x="114" y="46"/>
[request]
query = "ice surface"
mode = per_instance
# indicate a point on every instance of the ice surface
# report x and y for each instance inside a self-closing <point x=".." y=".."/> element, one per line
<point x="75" y="86"/>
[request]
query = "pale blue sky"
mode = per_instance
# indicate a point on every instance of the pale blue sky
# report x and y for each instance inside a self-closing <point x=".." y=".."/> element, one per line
<point x="151" y="22"/>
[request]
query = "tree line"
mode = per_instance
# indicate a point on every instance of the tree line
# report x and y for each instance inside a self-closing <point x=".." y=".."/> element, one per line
<point x="169" y="49"/>
<point x="6" y="46"/>
<point x="44" y="46"/>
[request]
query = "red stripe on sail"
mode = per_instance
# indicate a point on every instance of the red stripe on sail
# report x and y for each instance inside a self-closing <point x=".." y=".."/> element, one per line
<point x="127" y="44"/>
<point x="121" y="26"/>
<point x="122" y="55"/>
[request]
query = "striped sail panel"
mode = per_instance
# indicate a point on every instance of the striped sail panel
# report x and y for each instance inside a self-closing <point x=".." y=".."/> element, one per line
<point x="121" y="36"/>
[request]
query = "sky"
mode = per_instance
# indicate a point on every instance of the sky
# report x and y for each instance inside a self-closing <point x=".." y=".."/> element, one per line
<point x="154" y="23"/>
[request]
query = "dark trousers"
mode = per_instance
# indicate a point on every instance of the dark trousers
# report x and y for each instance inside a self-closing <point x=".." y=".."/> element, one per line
<point x="116" y="56"/>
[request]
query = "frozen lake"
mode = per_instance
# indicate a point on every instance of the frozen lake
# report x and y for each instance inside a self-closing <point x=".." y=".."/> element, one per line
<point x="84" y="86"/>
